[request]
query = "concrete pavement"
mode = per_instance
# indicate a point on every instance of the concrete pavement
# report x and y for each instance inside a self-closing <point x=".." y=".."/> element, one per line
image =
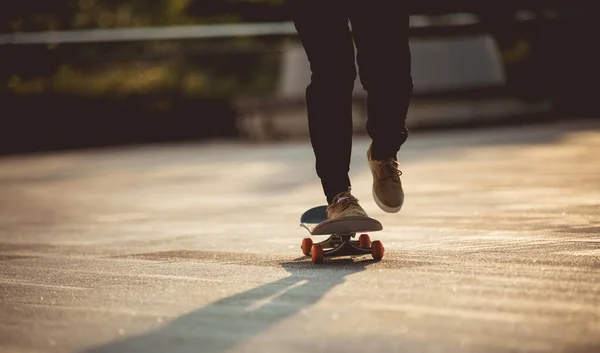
<point x="196" y="248"/>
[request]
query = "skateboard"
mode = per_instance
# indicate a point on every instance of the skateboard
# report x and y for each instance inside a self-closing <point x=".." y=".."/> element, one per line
<point x="341" y="233"/>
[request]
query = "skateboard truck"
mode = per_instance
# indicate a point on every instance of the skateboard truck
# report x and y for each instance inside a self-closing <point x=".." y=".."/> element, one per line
<point x="342" y="245"/>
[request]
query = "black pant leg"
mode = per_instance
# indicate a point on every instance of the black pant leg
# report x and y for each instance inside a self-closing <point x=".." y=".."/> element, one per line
<point x="322" y="26"/>
<point x="380" y="30"/>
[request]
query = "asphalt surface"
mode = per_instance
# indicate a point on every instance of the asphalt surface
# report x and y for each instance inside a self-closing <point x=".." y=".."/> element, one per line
<point x="196" y="248"/>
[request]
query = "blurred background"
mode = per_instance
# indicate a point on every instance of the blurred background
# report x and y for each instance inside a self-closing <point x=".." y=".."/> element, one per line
<point x="86" y="73"/>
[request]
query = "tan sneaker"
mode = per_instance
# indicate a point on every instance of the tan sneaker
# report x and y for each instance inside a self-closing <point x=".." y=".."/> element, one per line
<point x="345" y="205"/>
<point x="387" y="186"/>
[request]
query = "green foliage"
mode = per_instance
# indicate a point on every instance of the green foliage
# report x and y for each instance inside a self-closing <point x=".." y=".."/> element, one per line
<point x="29" y="15"/>
<point x="186" y="67"/>
<point x="75" y="14"/>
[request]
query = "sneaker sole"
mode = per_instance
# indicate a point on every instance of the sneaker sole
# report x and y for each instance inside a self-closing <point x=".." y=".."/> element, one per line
<point x="384" y="207"/>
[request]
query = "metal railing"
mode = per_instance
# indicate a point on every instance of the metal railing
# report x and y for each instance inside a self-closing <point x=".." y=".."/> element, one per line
<point x="231" y="30"/>
<point x="196" y="31"/>
<point x="149" y="33"/>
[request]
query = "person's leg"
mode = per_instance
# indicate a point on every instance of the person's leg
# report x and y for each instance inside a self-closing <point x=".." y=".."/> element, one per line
<point x="381" y="35"/>
<point x="323" y="29"/>
<point x="380" y="31"/>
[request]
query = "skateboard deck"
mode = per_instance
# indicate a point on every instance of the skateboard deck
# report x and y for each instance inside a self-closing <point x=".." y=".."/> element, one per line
<point x="340" y="231"/>
<point x="317" y="217"/>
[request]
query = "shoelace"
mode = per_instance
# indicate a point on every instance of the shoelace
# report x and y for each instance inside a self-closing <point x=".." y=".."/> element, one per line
<point x="345" y="200"/>
<point x="392" y="168"/>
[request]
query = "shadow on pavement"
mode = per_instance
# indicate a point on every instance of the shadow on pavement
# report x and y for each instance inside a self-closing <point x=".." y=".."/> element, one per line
<point x="232" y="321"/>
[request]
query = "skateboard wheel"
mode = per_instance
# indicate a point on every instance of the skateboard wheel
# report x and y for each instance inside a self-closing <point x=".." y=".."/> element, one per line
<point x="307" y="244"/>
<point x="317" y="254"/>
<point x="364" y="242"/>
<point x="377" y="250"/>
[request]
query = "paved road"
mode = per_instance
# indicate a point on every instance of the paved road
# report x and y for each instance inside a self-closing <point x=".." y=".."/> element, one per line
<point x="195" y="248"/>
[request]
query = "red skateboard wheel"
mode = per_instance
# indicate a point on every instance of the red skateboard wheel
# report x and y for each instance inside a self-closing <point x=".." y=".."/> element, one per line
<point x="377" y="250"/>
<point x="307" y="244"/>
<point x="364" y="242"/>
<point x="317" y="254"/>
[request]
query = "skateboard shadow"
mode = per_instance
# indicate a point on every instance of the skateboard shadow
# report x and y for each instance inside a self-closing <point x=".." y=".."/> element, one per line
<point x="232" y="321"/>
